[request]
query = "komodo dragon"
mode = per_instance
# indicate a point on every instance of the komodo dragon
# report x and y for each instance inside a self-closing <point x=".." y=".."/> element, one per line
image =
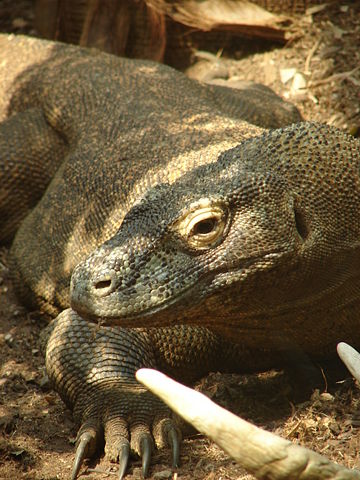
<point x="169" y="200"/>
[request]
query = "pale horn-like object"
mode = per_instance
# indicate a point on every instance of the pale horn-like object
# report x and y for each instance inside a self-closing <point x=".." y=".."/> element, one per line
<point x="351" y="358"/>
<point x="262" y="453"/>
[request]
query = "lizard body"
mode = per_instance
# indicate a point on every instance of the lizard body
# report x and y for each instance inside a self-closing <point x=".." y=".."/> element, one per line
<point x="104" y="157"/>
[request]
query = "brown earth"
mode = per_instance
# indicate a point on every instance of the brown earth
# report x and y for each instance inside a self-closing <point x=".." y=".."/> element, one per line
<point x="36" y="430"/>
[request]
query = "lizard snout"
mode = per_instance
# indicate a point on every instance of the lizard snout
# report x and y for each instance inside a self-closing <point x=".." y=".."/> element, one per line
<point x="88" y="287"/>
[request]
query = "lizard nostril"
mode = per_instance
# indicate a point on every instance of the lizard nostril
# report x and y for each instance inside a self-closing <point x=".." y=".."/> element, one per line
<point x="104" y="286"/>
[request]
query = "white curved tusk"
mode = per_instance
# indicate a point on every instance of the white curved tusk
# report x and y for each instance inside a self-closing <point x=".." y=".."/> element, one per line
<point x="262" y="453"/>
<point x="351" y="358"/>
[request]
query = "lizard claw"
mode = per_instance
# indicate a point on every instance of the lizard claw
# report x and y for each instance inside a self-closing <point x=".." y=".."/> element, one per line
<point x="85" y="447"/>
<point x="174" y="441"/>
<point x="124" y="454"/>
<point x="146" y="446"/>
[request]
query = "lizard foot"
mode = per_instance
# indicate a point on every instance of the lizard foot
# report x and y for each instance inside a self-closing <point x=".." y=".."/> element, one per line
<point x="128" y="423"/>
<point x="93" y="369"/>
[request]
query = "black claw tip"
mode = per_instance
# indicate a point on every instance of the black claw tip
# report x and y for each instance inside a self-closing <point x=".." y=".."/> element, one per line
<point x="81" y="453"/>
<point x="123" y="459"/>
<point x="174" y="441"/>
<point x="146" y="448"/>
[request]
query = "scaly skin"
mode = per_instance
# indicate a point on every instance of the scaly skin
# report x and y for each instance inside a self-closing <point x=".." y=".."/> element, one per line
<point x="98" y="139"/>
<point x="280" y="260"/>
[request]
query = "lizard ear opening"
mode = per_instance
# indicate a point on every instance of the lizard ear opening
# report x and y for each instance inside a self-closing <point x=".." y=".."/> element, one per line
<point x="301" y="224"/>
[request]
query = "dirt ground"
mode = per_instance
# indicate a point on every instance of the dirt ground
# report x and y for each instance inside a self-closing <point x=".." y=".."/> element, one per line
<point x="320" y="72"/>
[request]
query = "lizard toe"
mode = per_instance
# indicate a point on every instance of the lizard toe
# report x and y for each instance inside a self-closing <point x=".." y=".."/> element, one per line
<point x="167" y="434"/>
<point x="117" y="445"/>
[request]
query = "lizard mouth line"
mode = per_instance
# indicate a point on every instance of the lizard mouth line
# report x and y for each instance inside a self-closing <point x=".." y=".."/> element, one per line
<point x="234" y="319"/>
<point x="182" y="296"/>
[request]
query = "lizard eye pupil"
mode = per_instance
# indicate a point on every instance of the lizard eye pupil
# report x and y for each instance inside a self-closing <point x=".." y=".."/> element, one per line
<point x="205" y="226"/>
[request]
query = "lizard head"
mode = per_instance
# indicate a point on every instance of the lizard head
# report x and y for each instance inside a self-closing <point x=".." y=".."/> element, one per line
<point x="239" y="238"/>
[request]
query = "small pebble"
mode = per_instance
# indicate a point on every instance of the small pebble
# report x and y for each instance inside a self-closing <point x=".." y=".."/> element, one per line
<point x="327" y="397"/>
<point x="9" y="339"/>
<point x="163" y="474"/>
<point x="287" y="74"/>
<point x="299" y="82"/>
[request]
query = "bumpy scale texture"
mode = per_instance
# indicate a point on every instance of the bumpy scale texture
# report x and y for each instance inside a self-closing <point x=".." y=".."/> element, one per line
<point x="170" y="205"/>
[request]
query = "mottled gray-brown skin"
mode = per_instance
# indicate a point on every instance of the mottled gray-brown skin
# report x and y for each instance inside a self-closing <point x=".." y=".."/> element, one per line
<point x="177" y="210"/>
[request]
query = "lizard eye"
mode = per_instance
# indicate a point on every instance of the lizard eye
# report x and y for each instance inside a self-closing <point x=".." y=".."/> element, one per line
<point x="202" y="228"/>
